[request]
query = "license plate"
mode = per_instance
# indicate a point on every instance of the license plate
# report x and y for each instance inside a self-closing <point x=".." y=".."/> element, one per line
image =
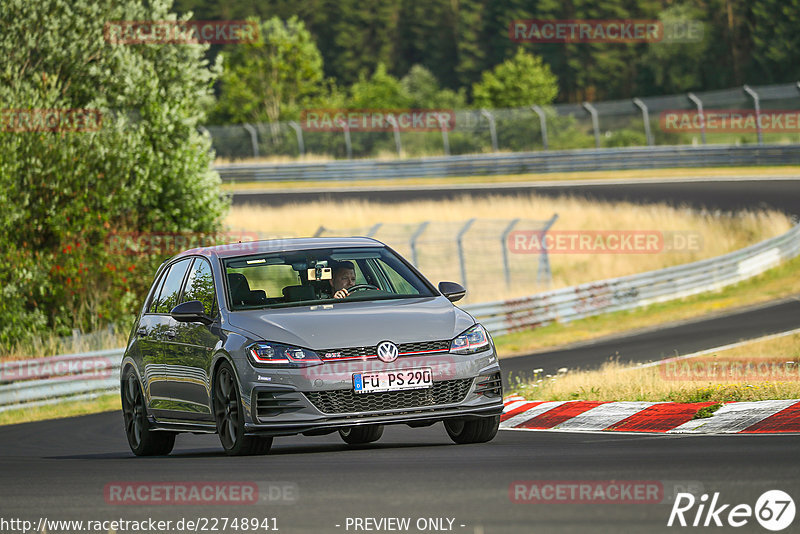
<point x="392" y="380"/>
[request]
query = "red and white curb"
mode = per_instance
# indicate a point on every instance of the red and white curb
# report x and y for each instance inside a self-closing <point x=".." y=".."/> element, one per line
<point x="760" y="417"/>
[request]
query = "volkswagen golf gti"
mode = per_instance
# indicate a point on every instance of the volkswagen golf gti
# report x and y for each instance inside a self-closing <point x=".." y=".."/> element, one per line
<point x="303" y="336"/>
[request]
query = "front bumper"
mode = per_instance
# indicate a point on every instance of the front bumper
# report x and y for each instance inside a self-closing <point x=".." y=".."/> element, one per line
<point x="468" y="388"/>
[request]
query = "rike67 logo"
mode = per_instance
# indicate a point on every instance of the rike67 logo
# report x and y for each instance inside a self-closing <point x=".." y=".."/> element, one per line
<point x="774" y="510"/>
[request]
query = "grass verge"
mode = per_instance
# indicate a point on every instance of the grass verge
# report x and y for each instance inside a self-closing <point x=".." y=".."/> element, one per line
<point x="515" y="178"/>
<point x="782" y="281"/>
<point x="103" y="403"/>
<point x="761" y="370"/>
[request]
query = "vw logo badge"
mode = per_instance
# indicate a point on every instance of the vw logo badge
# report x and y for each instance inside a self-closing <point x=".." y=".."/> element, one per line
<point x="387" y="352"/>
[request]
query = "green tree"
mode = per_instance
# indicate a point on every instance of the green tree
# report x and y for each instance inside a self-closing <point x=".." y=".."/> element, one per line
<point x="270" y="79"/>
<point x="523" y="80"/>
<point x="679" y="66"/>
<point x="381" y="90"/>
<point x="144" y="169"/>
<point x="424" y="91"/>
<point x="776" y="40"/>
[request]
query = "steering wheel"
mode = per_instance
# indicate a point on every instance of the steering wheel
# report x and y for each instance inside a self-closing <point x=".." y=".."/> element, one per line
<point x="361" y="287"/>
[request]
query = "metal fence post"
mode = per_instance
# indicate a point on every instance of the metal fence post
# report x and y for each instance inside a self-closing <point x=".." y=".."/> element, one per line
<point x="504" y="246"/>
<point x="595" y="122"/>
<point x="492" y="128"/>
<point x="393" y="121"/>
<point x="542" y="123"/>
<point x="299" y="131"/>
<point x="372" y="231"/>
<point x="757" y="106"/>
<point x="459" y="240"/>
<point x="646" y="118"/>
<point x="253" y="137"/>
<point x="319" y="231"/>
<point x="544" y="258"/>
<point x="699" y="103"/>
<point x="445" y="139"/>
<point x="413" y="242"/>
<point x="346" y="129"/>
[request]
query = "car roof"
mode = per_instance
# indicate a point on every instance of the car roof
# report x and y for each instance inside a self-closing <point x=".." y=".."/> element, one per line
<point x="280" y="245"/>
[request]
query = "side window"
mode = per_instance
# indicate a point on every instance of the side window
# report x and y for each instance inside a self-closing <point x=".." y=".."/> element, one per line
<point x="200" y="286"/>
<point x="400" y="284"/>
<point x="159" y="286"/>
<point x="170" y="291"/>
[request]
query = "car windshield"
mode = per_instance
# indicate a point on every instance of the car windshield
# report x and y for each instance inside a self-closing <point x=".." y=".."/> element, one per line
<point x="305" y="277"/>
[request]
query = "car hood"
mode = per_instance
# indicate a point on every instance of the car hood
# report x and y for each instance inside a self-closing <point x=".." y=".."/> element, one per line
<point x="355" y="324"/>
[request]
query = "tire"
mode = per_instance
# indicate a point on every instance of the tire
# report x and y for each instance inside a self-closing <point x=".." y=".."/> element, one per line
<point x="360" y="435"/>
<point x="142" y="439"/>
<point x="229" y="417"/>
<point x="480" y="430"/>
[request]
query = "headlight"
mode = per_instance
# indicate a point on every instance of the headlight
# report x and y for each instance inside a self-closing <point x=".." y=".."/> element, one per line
<point x="266" y="354"/>
<point x="475" y="339"/>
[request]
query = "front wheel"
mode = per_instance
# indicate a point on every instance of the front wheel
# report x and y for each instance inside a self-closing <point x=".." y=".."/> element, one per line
<point x="229" y="416"/>
<point x="142" y="440"/>
<point x="359" y="435"/>
<point x="472" y="430"/>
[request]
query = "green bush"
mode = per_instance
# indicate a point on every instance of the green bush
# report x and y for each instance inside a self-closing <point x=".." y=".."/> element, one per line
<point x="64" y="193"/>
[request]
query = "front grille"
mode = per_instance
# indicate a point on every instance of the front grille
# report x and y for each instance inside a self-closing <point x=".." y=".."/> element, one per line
<point x="347" y="401"/>
<point x="272" y="403"/>
<point x="363" y="352"/>
<point x="424" y="346"/>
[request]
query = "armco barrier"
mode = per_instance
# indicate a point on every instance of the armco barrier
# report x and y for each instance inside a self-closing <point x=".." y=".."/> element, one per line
<point x="628" y="292"/>
<point x="45" y="380"/>
<point x="38" y="381"/>
<point x="517" y="163"/>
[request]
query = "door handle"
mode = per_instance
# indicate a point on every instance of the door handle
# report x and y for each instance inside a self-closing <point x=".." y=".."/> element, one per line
<point x="142" y="332"/>
<point x="170" y="334"/>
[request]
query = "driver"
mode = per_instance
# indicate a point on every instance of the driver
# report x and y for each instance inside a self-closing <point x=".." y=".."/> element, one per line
<point x="342" y="278"/>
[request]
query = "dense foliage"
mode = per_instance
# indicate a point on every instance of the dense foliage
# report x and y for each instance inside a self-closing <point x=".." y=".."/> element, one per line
<point x="745" y="41"/>
<point x="65" y="194"/>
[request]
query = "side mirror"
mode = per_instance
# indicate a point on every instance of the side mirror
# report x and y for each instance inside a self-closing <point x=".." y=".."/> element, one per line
<point x="452" y="291"/>
<point x="191" y="312"/>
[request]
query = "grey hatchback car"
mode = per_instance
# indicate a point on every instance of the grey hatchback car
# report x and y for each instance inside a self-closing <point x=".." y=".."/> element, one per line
<point x="257" y="340"/>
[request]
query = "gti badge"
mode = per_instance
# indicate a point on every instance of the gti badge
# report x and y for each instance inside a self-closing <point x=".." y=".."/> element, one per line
<point x="387" y="352"/>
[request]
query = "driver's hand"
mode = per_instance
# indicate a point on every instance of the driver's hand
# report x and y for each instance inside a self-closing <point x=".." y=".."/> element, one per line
<point x="342" y="293"/>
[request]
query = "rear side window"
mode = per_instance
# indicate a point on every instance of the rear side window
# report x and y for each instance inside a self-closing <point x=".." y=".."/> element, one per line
<point x="200" y="286"/>
<point x="170" y="290"/>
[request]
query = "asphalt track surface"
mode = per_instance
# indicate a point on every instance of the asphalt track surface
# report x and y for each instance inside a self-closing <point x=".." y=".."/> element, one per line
<point x="664" y="341"/>
<point x="714" y="194"/>
<point x="59" y="469"/>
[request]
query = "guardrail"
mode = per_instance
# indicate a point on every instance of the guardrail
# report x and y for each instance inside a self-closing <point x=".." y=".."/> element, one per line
<point x="40" y="381"/>
<point x="35" y="382"/>
<point x="633" y="291"/>
<point x="517" y="163"/>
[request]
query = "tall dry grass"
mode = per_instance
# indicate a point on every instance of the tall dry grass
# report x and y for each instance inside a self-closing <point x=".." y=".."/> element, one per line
<point x="53" y="345"/>
<point x="720" y="233"/>
<point x="615" y="381"/>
